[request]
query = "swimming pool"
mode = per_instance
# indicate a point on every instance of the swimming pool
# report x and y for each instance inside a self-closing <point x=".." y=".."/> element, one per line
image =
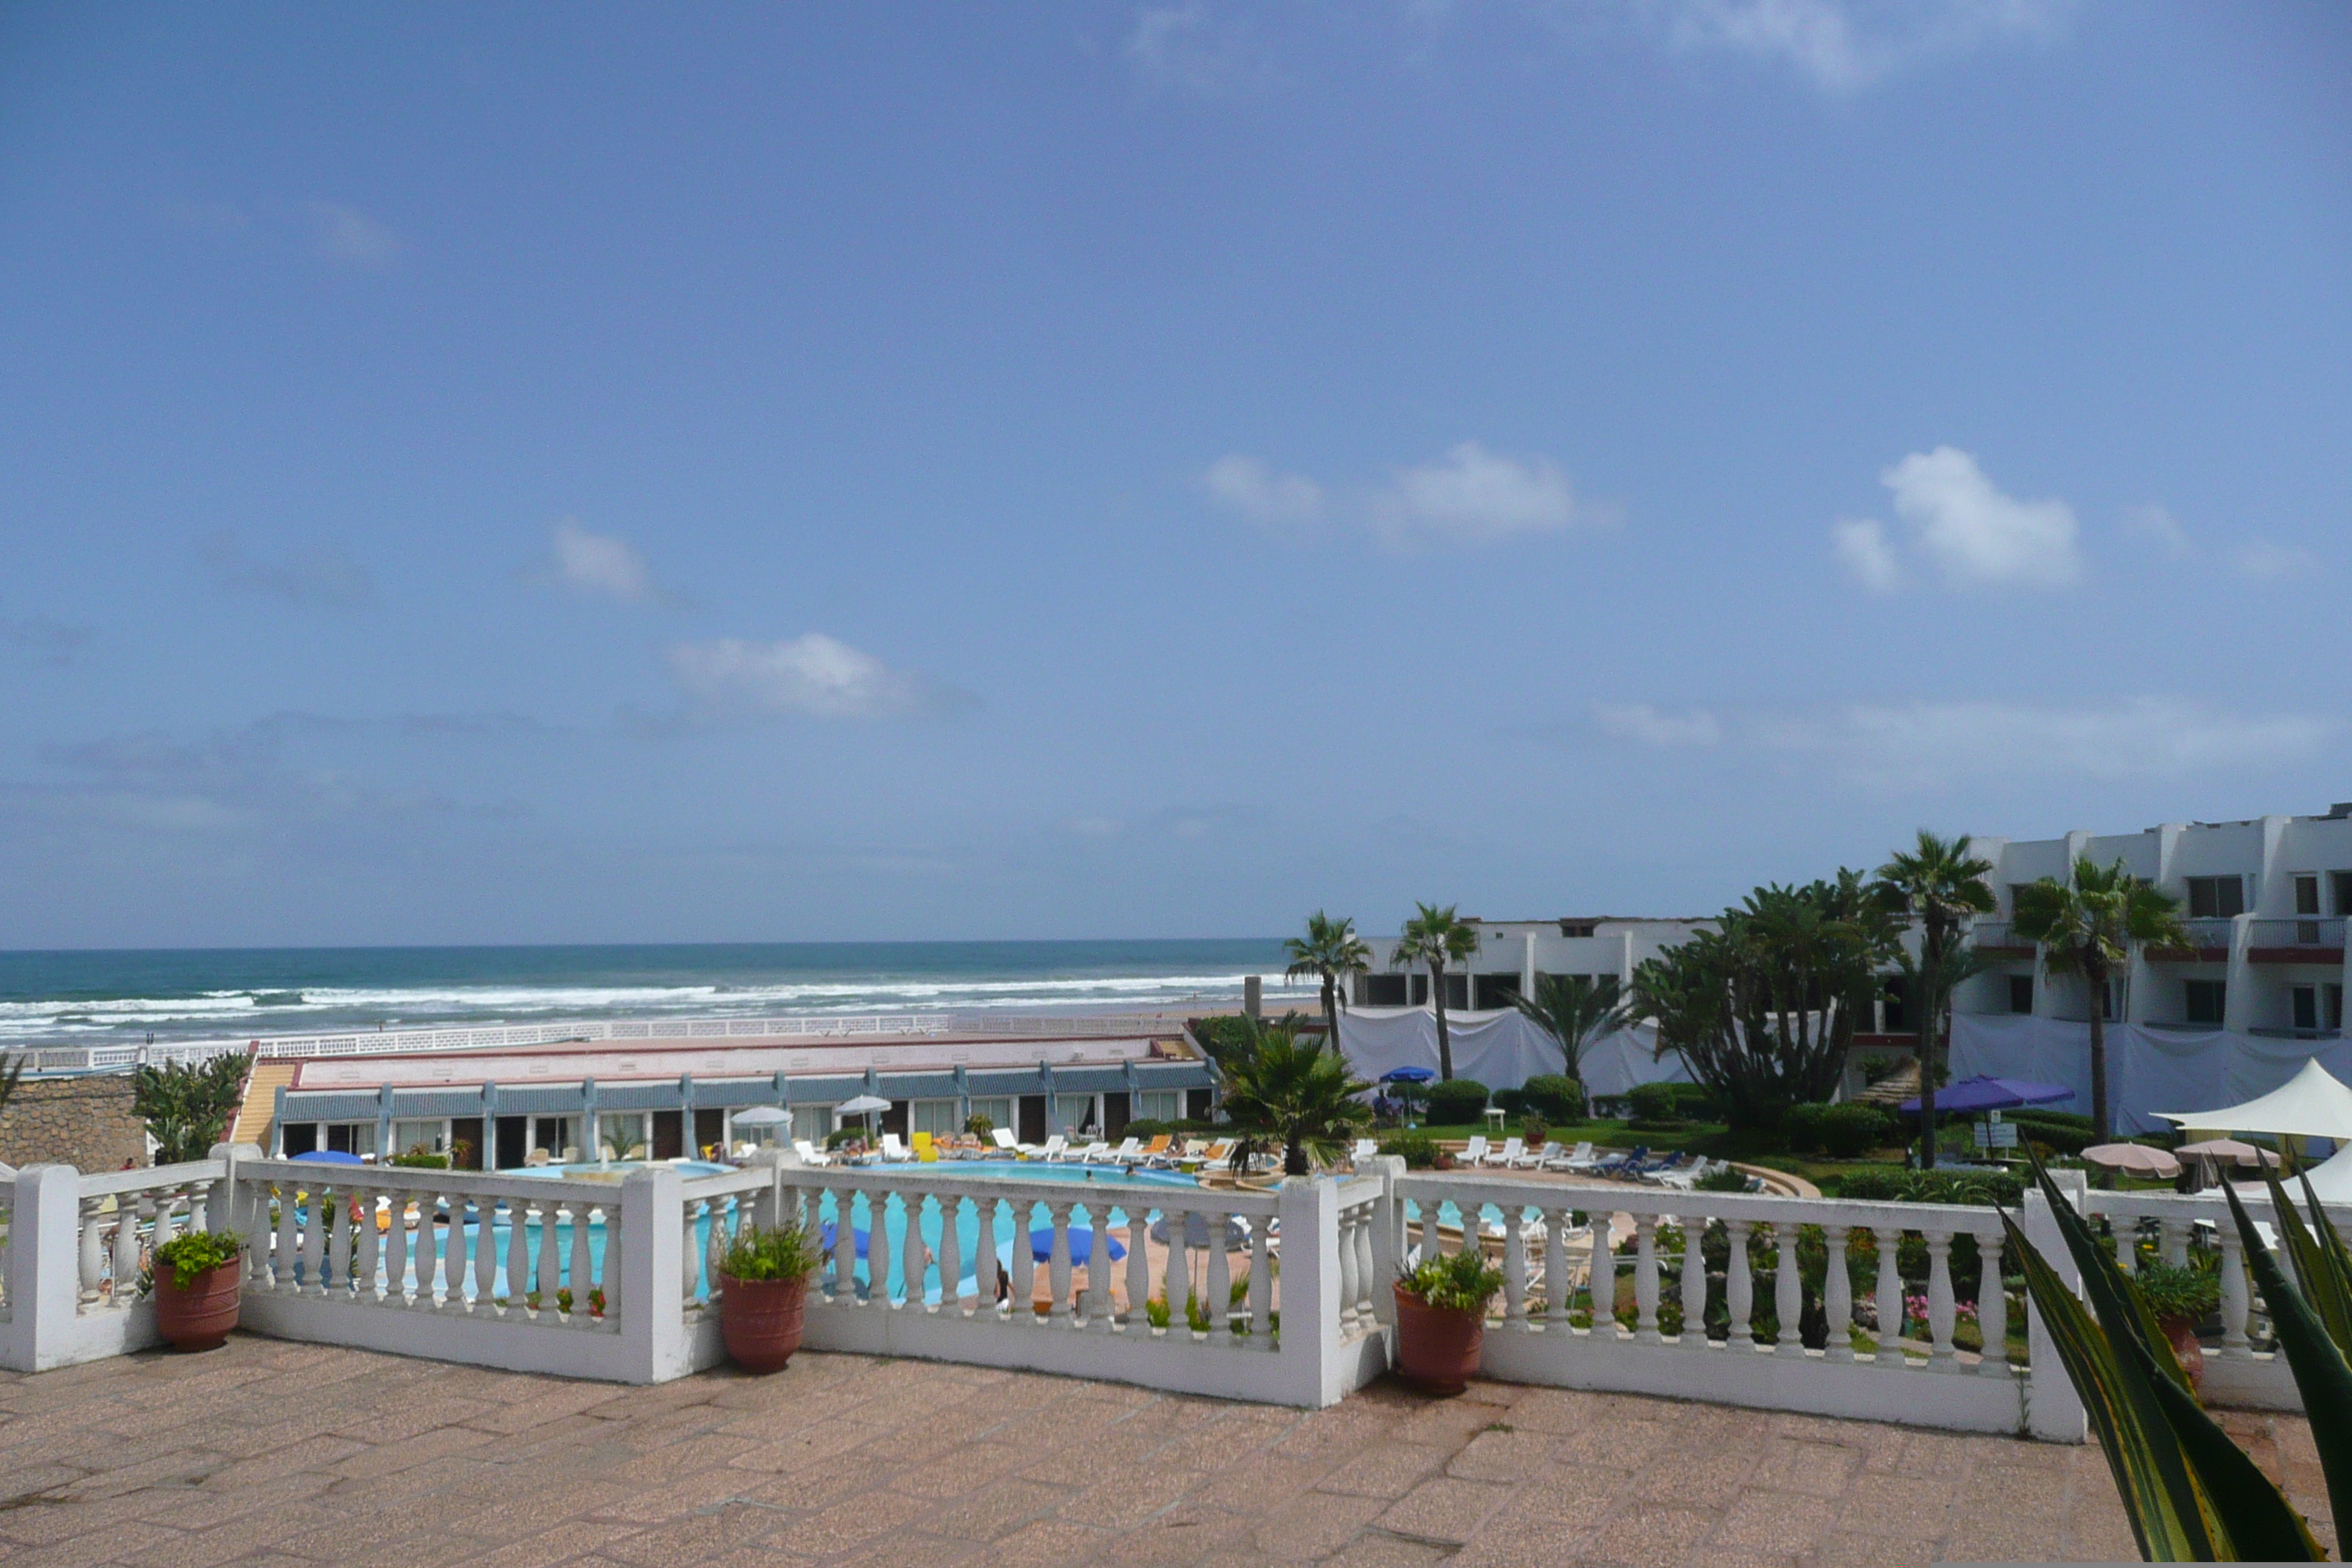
<point x="1039" y="1171"/>
<point x="614" y="1169"/>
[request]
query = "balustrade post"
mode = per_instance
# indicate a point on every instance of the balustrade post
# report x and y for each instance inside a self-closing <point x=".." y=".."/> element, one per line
<point x="1515" y="1268"/>
<point x="2173" y="1242"/>
<point x="1694" y="1228"/>
<point x="166" y="1222"/>
<point x="335" y="1276"/>
<point x="581" y="1260"/>
<point x="314" y="1241"/>
<point x="952" y="1253"/>
<point x="1351" y="1284"/>
<point x="1645" y="1278"/>
<point x="1367" y="1267"/>
<point x="1739" y="1287"/>
<point x="1788" y="1288"/>
<point x="690" y="1211"/>
<point x="1837" y="1295"/>
<point x="124" y="1288"/>
<point x="1555" y="1267"/>
<point x="1139" y="1264"/>
<point x="486" y="1254"/>
<point x="1601" y="1278"/>
<point x="547" y="1269"/>
<point x="1941" y="1313"/>
<point x="369" y="1243"/>
<point x="911" y="1261"/>
<point x="2126" y="1231"/>
<point x="2235" y="1299"/>
<point x="644" y="1288"/>
<point x="90" y="1254"/>
<point x="1220" y="1286"/>
<point x="1890" y="1294"/>
<point x="1261" y="1282"/>
<point x="1058" y="1262"/>
<point x="844" y="1246"/>
<point x="1992" y="1305"/>
<point x="1021" y="1304"/>
<point x="615" y="1235"/>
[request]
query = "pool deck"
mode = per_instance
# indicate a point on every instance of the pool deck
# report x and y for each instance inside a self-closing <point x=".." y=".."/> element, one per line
<point x="271" y="1453"/>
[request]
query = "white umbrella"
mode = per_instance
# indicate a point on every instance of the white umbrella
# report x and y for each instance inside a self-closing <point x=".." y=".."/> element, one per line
<point x="763" y="1116"/>
<point x="2134" y="1159"/>
<point x="864" y="1105"/>
<point x="2220" y="1149"/>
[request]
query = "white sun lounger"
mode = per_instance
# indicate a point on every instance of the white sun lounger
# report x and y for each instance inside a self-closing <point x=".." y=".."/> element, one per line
<point x="809" y="1152"/>
<point x="1474" y="1152"/>
<point x="1007" y="1146"/>
<point x="1507" y="1155"/>
<point x="1577" y="1159"/>
<point x="1055" y="1148"/>
<point x="1365" y="1149"/>
<point x="1540" y="1159"/>
<point x="893" y="1150"/>
<point x="1096" y="1150"/>
<point x="1132" y="1149"/>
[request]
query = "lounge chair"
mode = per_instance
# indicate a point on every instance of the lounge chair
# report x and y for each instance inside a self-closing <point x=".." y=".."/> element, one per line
<point x="1157" y="1152"/>
<point x="1540" y="1159"/>
<point x="1218" y="1153"/>
<point x="925" y="1150"/>
<point x="1474" y="1152"/>
<point x="1052" y="1150"/>
<point x="809" y="1152"/>
<point x="1508" y="1155"/>
<point x="1092" y="1153"/>
<point x="1128" y="1152"/>
<point x="1685" y="1177"/>
<point x="1003" y="1145"/>
<point x="1580" y="1158"/>
<point x="570" y="1155"/>
<point x="1365" y="1149"/>
<point x="536" y="1157"/>
<point x="1622" y="1164"/>
<point x="894" y="1152"/>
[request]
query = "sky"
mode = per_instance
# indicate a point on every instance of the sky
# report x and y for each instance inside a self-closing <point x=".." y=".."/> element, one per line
<point x="1064" y="470"/>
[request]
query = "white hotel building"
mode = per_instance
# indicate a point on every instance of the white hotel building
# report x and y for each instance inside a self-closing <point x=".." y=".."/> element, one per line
<point x="2264" y="901"/>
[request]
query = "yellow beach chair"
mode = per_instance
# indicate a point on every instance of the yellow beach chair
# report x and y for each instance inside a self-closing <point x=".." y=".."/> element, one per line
<point x="925" y="1150"/>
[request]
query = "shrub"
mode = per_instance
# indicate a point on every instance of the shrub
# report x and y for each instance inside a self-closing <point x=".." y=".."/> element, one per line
<point x="2054" y="1129"/>
<point x="192" y="1252"/>
<point x="2176" y="1290"/>
<point x="787" y="1253"/>
<point x="1417" y="1150"/>
<point x="421" y="1159"/>
<point x="841" y="1135"/>
<point x="1886" y="1184"/>
<point x="1724" y="1181"/>
<point x="1533" y="1132"/>
<point x="1453" y="1102"/>
<point x="1848" y="1132"/>
<point x="1457" y="1282"/>
<point x="1654" y="1103"/>
<point x="1555" y="1096"/>
<point x="980" y="1126"/>
<point x="1697" y="1102"/>
<point x="1800" y="1128"/>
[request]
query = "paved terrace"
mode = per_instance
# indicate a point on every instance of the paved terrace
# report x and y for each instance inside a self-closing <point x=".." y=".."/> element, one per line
<point x="282" y="1453"/>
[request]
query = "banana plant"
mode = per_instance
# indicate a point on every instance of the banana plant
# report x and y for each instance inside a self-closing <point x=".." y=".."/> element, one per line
<point x="2192" y="1495"/>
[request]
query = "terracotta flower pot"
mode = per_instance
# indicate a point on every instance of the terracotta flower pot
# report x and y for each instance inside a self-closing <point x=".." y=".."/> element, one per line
<point x="199" y="1316"/>
<point x="1437" y="1349"/>
<point x="760" y="1320"/>
<point x="2181" y="1334"/>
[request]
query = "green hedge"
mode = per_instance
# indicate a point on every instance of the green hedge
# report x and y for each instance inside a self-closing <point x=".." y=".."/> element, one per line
<point x="1654" y="1103"/>
<point x="1417" y="1150"/>
<point x="1452" y="1103"/>
<point x="1842" y="1132"/>
<point x="1891" y="1183"/>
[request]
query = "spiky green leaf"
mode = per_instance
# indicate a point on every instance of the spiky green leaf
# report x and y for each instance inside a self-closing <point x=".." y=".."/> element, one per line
<point x="2322" y="1375"/>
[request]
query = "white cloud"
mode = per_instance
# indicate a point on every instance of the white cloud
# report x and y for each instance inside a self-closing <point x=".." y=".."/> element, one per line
<point x="1639" y="721"/>
<point x="1860" y="543"/>
<point x="814" y="674"/>
<point x="1189" y="50"/>
<point x="2267" y="562"/>
<point x="603" y="565"/>
<point x="1976" y="535"/>
<point x="2161" y="530"/>
<point x="1928" y="743"/>
<point x="346" y="234"/>
<point x="1260" y="494"/>
<point x="1473" y="496"/>
<point x="1846" y="45"/>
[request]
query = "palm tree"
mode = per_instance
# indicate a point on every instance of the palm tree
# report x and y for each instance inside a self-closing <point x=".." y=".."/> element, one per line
<point x="2089" y="929"/>
<point x="1330" y="952"/>
<point x="1296" y="1092"/>
<point x="1435" y="938"/>
<point x="1575" y="1010"/>
<point x="1942" y="886"/>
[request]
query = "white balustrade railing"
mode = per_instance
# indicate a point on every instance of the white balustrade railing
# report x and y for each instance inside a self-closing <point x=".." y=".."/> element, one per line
<point x="8" y="1247"/>
<point x="125" y="1215"/>
<point x="1557" y="1243"/>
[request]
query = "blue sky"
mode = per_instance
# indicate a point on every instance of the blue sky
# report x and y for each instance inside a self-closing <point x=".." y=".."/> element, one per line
<point x="898" y="472"/>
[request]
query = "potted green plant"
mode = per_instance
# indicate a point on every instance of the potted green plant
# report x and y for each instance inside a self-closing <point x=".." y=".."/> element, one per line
<point x="2180" y="1297"/>
<point x="197" y="1278"/>
<point x="1442" y="1318"/>
<point x="763" y="1291"/>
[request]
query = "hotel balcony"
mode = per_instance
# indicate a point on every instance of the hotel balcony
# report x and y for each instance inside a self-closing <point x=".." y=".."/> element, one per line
<point x="2306" y="938"/>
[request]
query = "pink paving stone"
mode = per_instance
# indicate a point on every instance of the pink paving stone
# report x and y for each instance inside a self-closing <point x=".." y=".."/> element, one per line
<point x="307" y="1457"/>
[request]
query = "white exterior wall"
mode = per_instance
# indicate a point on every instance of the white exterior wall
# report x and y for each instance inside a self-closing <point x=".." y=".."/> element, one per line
<point x="1529" y="948"/>
<point x="2269" y="852"/>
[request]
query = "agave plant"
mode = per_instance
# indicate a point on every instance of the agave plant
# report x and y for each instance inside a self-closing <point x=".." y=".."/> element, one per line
<point x="2191" y="1494"/>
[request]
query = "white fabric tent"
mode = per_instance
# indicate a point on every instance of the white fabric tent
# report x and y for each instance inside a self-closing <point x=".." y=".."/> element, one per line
<point x="2145" y="1067"/>
<point x="2311" y="1104"/>
<point x="1501" y="1049"/>
<point x="2332" y="1181"/>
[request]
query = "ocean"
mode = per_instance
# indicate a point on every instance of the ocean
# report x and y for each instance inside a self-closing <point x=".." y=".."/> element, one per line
<point x="109" y="997"/>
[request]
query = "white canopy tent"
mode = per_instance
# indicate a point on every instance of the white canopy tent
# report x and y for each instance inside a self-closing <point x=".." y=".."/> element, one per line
<point x="2332" y="1180"/>
<point x="2311" y="1104"/>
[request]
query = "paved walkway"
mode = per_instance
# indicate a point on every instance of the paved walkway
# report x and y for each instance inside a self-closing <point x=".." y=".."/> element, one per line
<point x="282" y="1453"/>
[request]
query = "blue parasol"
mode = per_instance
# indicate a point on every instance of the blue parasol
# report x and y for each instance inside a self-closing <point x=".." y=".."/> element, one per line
<point x="1991" y="1094"/>
<point x="1407" y="1075"/>
<point x="331" y="1157"/>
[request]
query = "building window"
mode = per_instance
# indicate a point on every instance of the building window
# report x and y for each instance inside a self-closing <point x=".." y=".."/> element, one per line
<point x="420" y="1137"/>
<point x="552" y="1135"/>
<point x="351" y="1137"/>
<point x="620" y="1132"/>
<point x="936" y="1117"/>
<point x="2306" y="1006"/>
<point x="2331" y="1006"/>
<point x="1895" y="1015"/>
<point x="1497" y="990"/>
<point x="1380" y="990"/>
<point x="2207" y="1000"/>
<point x="2306" y="895"/>
<point x="2342" y="882"/>
<point x="1077" y="1113"/>
<point x="2216" y="898"/>
<point x="1457" y="993"/>
<point x="1157" y="1105"/>
<point x="1575" y="928"/>
<point x="2020" y="995"/>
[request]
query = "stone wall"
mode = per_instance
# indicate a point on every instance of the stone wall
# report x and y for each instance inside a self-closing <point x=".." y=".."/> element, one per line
<point x="85" y="1122"/>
